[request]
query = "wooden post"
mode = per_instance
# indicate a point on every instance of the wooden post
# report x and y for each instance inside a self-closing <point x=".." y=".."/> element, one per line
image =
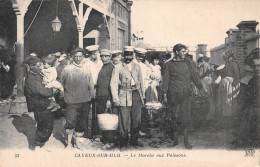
<point x="20" y="53"/>
<point x="80" y="19"/>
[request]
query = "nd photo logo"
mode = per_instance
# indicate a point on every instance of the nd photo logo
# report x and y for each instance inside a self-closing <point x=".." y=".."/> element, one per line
<point x="250" y="153"/>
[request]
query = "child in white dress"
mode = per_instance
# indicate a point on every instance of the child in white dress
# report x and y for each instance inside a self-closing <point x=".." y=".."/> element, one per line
<point x="49" y="79"/>
<point x="156" y="79"/>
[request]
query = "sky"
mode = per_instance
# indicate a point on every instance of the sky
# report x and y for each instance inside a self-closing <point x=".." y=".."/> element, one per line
<point x="191" y="22"/>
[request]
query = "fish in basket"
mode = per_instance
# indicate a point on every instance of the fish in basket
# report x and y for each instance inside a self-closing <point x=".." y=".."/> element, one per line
<point x="107" y="121"/>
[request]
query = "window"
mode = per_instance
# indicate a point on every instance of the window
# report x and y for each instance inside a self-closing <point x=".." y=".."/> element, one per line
<point x="121" y="39"/>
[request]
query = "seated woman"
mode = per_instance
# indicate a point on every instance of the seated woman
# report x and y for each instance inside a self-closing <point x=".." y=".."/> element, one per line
<point x="249" y="131"/>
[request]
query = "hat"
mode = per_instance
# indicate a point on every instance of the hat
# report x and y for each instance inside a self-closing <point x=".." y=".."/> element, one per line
<point x="140" y="50"/>
<point x="57" y="54"/>
<point x="200" y="55"/>
<point x="254" y="54"/>
<point x="228" y="54"/>
<point x="32" y="61"/>
<point x="116" y="53"/>
<point x="78" y="49"/>
<point x="33" y="54"/>
<point x="92" y="48"/>
<point x="220" y="67"/>
<point x="128" y="49"/>
<point x="105" y="52"/>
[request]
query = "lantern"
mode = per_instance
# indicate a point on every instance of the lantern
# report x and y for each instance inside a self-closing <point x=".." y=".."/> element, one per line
<point x="56" y="25"/>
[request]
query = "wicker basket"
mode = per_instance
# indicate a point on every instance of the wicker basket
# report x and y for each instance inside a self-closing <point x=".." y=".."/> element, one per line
<point x="153" y="105"/>
<point x="107" y="121"/>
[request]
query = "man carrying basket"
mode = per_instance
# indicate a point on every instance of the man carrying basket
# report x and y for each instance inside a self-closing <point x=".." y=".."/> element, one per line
<point x="128" y="93"/>
<point x="104" y="97"/>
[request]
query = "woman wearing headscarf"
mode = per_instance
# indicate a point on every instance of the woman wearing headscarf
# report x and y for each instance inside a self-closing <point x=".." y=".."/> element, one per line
<point x="229" y="86"/>
<point x="249" y="131"/>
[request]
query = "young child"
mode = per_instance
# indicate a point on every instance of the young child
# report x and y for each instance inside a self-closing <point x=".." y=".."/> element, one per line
<point x="49" y="79"/>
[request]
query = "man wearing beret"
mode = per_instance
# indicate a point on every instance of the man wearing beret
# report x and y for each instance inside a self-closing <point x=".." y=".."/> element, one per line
<point x="78" y="92"/>
<point x="128" y="93"/>
<point x="37" y="98"/>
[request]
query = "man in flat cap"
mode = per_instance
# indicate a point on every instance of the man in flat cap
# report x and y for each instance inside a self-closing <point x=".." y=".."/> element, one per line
<point x="116" y="57"/>
<point x="104" y="96"/>
<point x="78" y="92"/>
<point x="128" y="93"/>
<point x="145" y="69"/>
<point x="94" y="63"/>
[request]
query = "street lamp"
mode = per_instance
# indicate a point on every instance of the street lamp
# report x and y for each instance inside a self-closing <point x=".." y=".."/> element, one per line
<point x="56" y="24"/>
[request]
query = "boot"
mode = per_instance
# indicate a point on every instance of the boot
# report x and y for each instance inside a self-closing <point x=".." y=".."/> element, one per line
<point x="175" y="138"/>
<point x="70" y="134"/>
<point x="186" y="141"/>
<point x="78" y="139"/>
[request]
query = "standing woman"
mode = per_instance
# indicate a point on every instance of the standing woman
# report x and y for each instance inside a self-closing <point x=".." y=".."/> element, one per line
<point x="229" y="86"/>
<point x="177" y="77"/>
<point x="249" y="131"/>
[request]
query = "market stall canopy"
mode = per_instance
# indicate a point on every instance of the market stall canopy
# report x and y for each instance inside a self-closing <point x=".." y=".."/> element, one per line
<point x="142" y="44"/>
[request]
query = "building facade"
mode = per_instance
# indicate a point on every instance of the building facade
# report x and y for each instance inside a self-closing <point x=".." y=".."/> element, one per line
<point x="27" y="25"/>
<point x="241" y="41"/>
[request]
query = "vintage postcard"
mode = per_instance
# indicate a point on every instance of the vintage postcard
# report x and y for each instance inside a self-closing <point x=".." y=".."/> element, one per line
<point x="129" y="83"/>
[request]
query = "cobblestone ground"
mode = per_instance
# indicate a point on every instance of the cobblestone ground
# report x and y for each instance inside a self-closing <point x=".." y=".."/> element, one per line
<point x="17" y="131"/>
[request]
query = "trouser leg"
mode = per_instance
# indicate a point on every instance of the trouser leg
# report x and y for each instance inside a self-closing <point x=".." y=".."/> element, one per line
<point x="136" y="112"/>
<point x="185" y="117"/>
<point x="108" y="136"/>
<point x="71" y="115"/>
<point x="124" y="124"/>
<point x="82" y="123"/>
<point x="44" y="127"/>
<point x="94" y="124"/>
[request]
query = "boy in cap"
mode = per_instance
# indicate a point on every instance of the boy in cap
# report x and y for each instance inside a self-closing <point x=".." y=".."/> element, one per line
<point x="128" y="94"/>
<point x="78" y="92"/>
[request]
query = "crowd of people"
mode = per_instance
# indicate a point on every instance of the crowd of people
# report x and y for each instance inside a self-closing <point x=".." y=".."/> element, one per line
<point x="93" y="80"/>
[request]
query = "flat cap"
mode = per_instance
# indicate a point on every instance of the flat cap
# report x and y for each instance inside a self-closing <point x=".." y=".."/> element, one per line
<point x="140" y="50"/>
<point x="116" y="53"/>
<point x="128" y="49"/>
<point x="92" y="48"/>
<point x="105" y="52"/>
<point x="228" y="54"/>
<point x="78" y="49"/>
<point x="32" y="61"/>
<point x="200" y="55"/>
